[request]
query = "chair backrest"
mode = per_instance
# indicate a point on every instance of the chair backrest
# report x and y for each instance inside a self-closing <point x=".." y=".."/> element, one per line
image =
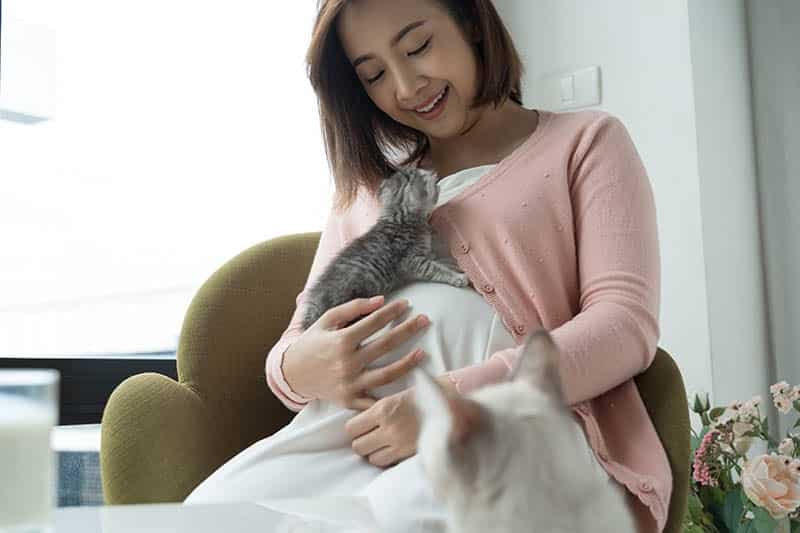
<point x="238" y="315"/>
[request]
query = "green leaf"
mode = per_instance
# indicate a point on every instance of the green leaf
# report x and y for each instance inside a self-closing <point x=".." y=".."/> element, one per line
<point x="796" y="404"/>
<point x="711" y="496"/>
<point x="694" y="505"/>
<point x="732" y="510"/>
<point x="795" y="526"/>
<point x="763" y="522"/>
<point x="747" y="527"/>
<point x="765" y="425"/>
<point x="695" y="443"/>
<point x="693" y="528"/>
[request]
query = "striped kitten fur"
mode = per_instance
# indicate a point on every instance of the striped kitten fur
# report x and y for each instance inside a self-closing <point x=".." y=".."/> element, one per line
<point x="395" y="251"/>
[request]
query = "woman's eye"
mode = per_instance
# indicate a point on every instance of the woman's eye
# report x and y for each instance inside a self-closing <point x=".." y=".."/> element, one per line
<point x="375" y="78"/>
<point x="421" y="48"/>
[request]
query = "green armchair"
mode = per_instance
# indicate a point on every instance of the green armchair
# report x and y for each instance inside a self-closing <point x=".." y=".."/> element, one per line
<point x="160" y="438"/>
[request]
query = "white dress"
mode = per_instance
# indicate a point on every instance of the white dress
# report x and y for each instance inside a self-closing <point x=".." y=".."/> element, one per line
<point x="308" y="468"/>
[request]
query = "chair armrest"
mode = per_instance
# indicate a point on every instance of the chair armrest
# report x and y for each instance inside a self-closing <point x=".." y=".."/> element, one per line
<point x="157" y="441"/>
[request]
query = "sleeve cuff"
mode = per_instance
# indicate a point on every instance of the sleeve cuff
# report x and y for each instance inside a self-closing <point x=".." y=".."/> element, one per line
<point x="494" y="370"/>
<point x="278" y="383"/>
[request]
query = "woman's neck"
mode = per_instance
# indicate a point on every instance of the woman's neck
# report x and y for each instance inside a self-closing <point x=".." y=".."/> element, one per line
<point x="493" y="136"/>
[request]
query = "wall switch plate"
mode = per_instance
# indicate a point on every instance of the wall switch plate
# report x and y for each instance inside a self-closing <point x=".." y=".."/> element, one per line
<point x="571" y="89"/>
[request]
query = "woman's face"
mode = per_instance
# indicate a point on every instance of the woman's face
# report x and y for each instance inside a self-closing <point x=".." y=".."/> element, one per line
<point x="408" y="55"/>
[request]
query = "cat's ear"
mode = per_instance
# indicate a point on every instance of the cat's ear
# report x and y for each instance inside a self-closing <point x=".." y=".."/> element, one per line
<point x="432" y="406"/>
<point x="446" y="425"/>
<point x="451" y="418"/>
<point x="538" y="364"/>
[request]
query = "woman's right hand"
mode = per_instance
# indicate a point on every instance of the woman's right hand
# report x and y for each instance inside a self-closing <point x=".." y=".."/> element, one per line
<point x="329" y="362"/>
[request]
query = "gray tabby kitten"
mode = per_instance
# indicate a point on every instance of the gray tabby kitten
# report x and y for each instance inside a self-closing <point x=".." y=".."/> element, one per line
<point x="396" y="250"/>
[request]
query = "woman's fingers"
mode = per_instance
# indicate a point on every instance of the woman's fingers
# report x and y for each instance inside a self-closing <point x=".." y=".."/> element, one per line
<point x="375" y="349"/>
<point x="349" y="311"/>
<point x="367" y="443"/>
<point x="384" y="375"/>
<point x="384" y="457"/>
<point x="375" y="321"/>
<point x="361" y="403"/>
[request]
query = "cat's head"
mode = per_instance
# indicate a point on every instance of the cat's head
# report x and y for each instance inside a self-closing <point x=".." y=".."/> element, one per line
<point x="409" y="190"/>
<point x="483" y="453"/>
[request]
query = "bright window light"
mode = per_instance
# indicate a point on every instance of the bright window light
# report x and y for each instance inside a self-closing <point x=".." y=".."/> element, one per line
<point x="142" y="145"/>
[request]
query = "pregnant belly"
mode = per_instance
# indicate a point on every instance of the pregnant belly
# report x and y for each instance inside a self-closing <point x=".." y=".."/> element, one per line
<point x="458" y="335"/>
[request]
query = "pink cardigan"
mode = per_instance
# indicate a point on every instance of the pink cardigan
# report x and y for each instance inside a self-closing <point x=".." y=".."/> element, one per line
<point x="561" y="234"/>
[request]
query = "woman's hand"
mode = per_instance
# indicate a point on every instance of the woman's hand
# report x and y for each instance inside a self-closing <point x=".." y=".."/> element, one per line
<point x="329" y="361"/>
<point x="386" y="432"/>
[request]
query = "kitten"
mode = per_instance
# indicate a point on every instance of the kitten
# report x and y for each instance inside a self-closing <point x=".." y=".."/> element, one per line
<point x="396" y="250"/>
<point x="511" y="457"/>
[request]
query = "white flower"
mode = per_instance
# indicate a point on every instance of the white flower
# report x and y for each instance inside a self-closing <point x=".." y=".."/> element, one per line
<point x="779" y="389"/>
<point x="750" y="408"/>
<point x="783" y="404"/>
<point x="786" y="447"/>
<point x="749" y="515"/>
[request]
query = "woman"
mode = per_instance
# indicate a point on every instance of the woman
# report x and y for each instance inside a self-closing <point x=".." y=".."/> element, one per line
<point x="550" y="215"/>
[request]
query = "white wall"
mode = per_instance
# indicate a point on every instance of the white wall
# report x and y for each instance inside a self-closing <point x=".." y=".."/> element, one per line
<point x="676" y="74"/>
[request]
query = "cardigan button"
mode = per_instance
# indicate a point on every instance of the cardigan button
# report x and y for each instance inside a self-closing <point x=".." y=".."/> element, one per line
<point x="647" y="486"/>
<point x="488" y="288"/>
<point x="520" y="329"/>
<point x="603" y="456"/>
<point x="465" y="247"/>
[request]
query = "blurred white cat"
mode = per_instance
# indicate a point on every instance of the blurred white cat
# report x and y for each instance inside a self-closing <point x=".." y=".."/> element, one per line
<point x="511" y="457"/>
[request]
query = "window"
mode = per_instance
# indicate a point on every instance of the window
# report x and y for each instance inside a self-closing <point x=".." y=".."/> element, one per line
<point x="144" y="144"/>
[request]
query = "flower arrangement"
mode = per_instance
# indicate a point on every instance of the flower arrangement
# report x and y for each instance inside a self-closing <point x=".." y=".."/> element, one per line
<point x="733" y="493"/>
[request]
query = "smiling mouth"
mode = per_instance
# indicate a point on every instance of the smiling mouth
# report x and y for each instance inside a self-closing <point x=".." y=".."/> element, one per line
<point x="430" y="106"/>
<point x="435" y="106"/>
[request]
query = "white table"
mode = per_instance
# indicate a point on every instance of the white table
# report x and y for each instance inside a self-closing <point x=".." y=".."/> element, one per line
<point x="197" y="518"/>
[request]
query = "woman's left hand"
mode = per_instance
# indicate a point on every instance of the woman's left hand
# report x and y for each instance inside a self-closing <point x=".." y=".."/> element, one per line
<point x="386" y="432"/>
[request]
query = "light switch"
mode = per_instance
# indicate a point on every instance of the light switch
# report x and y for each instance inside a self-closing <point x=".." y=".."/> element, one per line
<point x="569" y="90"/>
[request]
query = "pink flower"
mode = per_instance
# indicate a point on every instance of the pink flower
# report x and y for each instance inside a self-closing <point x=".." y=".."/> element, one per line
<point x="783" y="404"/>
<point x="705" y="467"/>
<point x="783" y="395"/>
<point x="769" y="482"/>
<point x="779" y="389"/>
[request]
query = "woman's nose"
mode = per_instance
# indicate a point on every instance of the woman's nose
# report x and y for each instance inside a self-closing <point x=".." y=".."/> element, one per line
<point x="408" y="86"/>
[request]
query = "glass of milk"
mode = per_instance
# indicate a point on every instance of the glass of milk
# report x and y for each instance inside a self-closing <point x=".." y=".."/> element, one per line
<point x="28" y="413"/>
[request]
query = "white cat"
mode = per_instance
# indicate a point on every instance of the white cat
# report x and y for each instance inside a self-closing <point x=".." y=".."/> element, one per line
<point x="512" y="458"/>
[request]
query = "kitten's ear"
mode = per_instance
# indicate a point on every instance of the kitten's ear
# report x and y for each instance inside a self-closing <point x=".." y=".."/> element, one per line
<point x="538" y="364"/>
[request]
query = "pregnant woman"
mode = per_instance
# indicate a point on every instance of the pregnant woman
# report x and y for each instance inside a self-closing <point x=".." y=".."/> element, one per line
<point x="551" y="216"/>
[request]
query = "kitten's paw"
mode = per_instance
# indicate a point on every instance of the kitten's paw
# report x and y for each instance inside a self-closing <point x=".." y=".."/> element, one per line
<point x="462" y="280"/>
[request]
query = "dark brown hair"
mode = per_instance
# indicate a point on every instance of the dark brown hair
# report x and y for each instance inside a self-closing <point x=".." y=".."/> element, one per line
<point x="363" y="144"/>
